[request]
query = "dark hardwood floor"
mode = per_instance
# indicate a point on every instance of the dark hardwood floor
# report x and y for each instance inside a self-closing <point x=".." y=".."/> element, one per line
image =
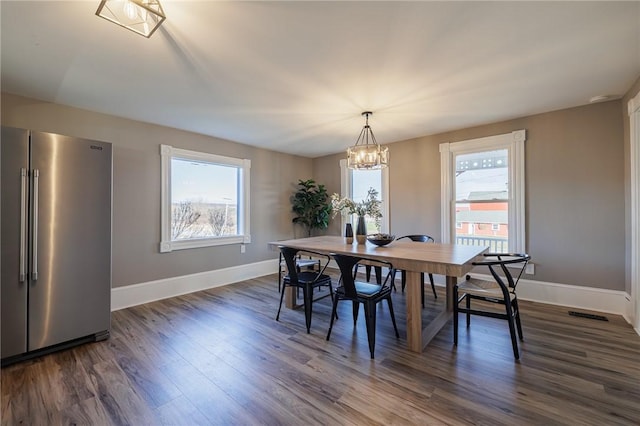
<point x="219" y="357"/>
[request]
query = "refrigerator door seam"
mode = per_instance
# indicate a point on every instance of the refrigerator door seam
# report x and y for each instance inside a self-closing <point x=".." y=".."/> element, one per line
<point x="23" y="226"/>
<point x="34" y="254"/>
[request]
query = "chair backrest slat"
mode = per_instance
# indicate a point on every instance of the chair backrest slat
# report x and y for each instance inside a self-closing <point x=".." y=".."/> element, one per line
<point x="348" y="273"/>
<point x="289" y="255"/>
<point x="346" y="265"/>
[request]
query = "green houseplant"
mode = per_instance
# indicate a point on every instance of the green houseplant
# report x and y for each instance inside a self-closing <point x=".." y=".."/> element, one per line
<point x="311" y="205"/>
<point x="371" y="206"/>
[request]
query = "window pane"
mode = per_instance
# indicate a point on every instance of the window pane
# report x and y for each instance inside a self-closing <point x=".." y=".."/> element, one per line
<point x="204" y="199"/>
<point x="361" y="181"/>
<point x="482" y="199"/>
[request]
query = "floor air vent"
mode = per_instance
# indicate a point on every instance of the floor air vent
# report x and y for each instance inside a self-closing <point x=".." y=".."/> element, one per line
<point x="590" y="316"/>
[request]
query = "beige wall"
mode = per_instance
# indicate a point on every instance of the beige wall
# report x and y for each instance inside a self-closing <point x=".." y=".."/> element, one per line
<point x="633" y="91"/>
<point x="136" y="188"/>
<point x="575" y="190"/>
<point x="575" y="170"/>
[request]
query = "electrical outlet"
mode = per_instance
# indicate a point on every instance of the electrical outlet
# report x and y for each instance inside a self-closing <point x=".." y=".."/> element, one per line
<point x="243" y="248"/>
<point x="531" y="269"/>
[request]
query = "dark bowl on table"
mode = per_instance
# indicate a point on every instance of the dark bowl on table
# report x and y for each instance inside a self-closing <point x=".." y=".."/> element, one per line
<point x="380" y="239"/>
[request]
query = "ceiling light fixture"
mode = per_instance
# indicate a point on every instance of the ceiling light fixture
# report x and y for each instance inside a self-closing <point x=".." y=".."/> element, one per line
<point x="140" y="16"/>
<point x="367" y="154"/>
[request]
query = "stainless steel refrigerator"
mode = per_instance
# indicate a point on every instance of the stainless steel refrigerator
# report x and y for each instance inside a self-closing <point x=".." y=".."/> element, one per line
<point x="56" y="242"/>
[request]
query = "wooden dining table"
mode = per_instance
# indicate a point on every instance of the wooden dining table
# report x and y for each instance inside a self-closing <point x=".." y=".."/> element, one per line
<point x="450" y="260"/>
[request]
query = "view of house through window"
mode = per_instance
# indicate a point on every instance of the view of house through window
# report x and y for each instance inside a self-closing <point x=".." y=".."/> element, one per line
<point x="482" y="199"/>
<point x="484" y="180"/>
<point x="361" y="181"/>
<point x="204" y="199"/>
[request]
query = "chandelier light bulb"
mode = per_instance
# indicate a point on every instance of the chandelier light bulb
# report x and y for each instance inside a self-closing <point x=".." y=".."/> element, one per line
<point x="130" y="10"/>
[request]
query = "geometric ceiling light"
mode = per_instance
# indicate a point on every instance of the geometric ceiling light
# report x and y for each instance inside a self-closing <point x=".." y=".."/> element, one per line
<point x="366" y="154"/>
<point x="140" y="16"/>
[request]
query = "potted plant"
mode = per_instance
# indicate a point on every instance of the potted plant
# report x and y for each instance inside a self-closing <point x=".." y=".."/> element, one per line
<point x="370" y="206"/>
<point x="311" y="205"/>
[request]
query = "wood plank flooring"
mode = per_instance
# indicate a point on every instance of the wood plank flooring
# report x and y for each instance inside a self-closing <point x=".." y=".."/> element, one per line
<point x="219" y="357"/>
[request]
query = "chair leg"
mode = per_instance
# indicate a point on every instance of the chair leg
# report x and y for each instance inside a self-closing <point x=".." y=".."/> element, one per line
<point x="404" y="279"/>
<point x="468" y="308"/>
<point x="393" y="317"/>
<point x="516" y="308"/>
<point x="455" y="316"/>
<point x="281" y="299"/>
<point x="332" y="296"/>
<point x="433" y="286"/>
<point x="367" y="270"/>
<point x="393" y="279"/>
<point x="370" y="314"/>
<point x="378" y="271"/>
<point x="307" y="293"/>
<point x="356" y="305"/>
<point x="333" y="315"/>
<point x="512" y="330"/>
<point x="279" y="271"/>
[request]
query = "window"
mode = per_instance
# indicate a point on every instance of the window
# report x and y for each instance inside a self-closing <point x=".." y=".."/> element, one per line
<point x="356" y="183"/>
<point x="483" y="189"/>
<point x="205" y="199"/>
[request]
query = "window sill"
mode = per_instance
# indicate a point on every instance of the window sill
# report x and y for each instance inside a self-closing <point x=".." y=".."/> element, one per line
<point x="169" y="246"/>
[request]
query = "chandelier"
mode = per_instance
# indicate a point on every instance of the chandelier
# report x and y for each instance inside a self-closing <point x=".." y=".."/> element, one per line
<point x="366" y="154"/>
<point x="140" y="16"/>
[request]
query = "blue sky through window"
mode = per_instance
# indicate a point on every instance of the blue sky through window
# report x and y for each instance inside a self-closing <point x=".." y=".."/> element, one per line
<point x="203" y="182"/>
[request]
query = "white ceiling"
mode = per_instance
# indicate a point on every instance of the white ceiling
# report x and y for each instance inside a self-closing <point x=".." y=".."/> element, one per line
<point x="295" y="76"/>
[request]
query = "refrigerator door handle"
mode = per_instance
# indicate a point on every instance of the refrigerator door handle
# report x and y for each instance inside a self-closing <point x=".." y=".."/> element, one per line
<point x="34" y="256"/>
<point x="23" y="224"/>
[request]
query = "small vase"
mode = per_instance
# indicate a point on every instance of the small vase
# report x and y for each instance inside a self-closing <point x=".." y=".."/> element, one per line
<point x="348" y="233"/>
<point x="361" y="231"/>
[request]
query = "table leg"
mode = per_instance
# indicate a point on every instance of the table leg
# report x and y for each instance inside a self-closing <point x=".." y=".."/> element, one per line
<point x="418" y="338"/>
<point x="450" y="295"/>
<point x="290" y="298"/>
<point x="414" y="312"/>
<point x="443" y="317"/>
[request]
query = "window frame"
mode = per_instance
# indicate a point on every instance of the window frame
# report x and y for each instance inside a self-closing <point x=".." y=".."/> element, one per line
<point x="167" y="153"/>
<point x="345" y="191"/>
<point x="514" y="144"/>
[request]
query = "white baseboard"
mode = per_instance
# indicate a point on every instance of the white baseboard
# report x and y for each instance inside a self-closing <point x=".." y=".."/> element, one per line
<point x="592" y="299"/>
<point x="137" y="294"/>
<point x="628" y="309"/>
<point x="572" y="296"/>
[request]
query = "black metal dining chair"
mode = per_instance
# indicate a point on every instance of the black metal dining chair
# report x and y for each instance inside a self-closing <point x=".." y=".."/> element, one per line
<point x="361" y="292"/>
<point x="307" y="280"/>
<point x="306" y="262"/>
<point x="421" y="239"/>
<point x="495" y="291"/>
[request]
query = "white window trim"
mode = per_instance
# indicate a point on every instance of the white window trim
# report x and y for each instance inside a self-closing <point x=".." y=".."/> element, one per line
<point x="514" y="143"/>
<point x="345" y="191"/>
<point x="168" y="152"/>
<point x="634" y="151"/>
